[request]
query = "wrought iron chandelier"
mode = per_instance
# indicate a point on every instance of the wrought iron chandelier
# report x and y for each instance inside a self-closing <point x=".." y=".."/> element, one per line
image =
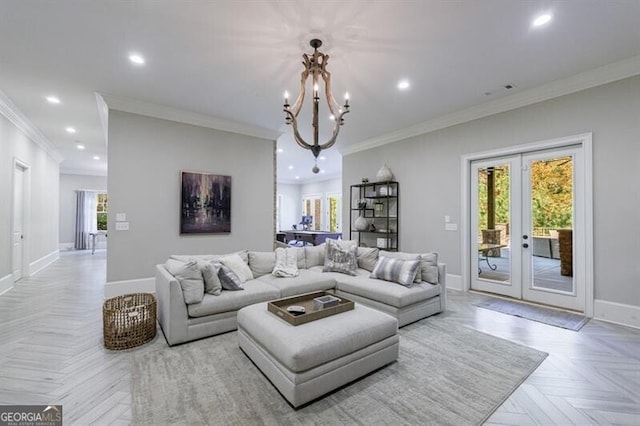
<point x="315" y="65"/>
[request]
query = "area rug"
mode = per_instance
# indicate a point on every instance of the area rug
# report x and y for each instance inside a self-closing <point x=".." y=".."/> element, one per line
<point x="446" y="374"/>
<point x="549" y="316"/>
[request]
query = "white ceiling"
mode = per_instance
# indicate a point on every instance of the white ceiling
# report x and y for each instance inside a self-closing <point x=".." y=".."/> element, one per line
<point x="234" y="59"/>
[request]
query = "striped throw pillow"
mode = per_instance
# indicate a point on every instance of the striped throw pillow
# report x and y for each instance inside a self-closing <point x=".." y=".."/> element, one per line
<point x="396" y="270"/>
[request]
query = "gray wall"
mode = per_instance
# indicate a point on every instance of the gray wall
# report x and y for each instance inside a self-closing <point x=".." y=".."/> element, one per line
<point x="146" y="156"/>
<point x="42" y="238"/>
<point x="428" y="169"/>
<point x="68" y="186"/>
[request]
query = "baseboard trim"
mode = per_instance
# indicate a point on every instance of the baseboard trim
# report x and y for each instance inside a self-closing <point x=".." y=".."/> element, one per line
<point x="617" y="313"/>
<point x="454" y="282"/>
<point x="43" y="262"/>
<point x="118" y="288"/>
<point x="6" y="284"/>
<point x="66" y="246"/>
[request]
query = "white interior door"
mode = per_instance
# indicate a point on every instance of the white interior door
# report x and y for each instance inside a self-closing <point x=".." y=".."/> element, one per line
<point x="17" y="232"/>
<point x="528" y="227"/>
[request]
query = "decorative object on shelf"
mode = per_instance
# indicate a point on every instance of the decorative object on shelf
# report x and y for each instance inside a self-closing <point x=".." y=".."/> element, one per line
<point x="361" y="223"/>
<point x="315" y="66"/>
<point x="365" y="180"/>
<point x="372" y="228"/>
<point x="379" y="207"/>
<point x="381" y="243"/>
<point x="384" y="174"/>
<point x="362" y="203"/>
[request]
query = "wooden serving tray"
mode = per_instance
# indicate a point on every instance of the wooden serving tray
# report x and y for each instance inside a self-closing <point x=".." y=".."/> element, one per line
<point x="279" y="307"/>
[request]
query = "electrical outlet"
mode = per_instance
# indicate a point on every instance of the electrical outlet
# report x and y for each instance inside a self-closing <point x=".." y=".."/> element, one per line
<point x="447" y="219"/>
<point x="122" y="226"/>
<point x="121" y="217"/>
<point x="451" y="227"/>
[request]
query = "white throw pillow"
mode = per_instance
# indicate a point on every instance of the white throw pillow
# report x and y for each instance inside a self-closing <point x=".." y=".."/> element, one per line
<point x="210" y="271"/>
<point x="238" y="266"/>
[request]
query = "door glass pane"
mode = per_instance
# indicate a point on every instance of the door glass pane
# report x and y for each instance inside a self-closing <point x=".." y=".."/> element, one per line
<point x="494" y="212"/>
<point x="552" y="223"/>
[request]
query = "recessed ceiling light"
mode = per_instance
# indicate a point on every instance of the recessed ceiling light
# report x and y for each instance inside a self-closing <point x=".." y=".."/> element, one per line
<point x="541" y="20"/>
<point x="322" y="157"/>
<point x="136" y="59"/>
<point x="290" y="167"/>
<point x="332" y="117"/>
<point x="80" y="146"/>
<point x="322" y="171"/>
<point x="53" y="99"/>
<point x="403" y="84"/>
<point x="70" y="129"/>
<point x="297" y="177"/>
<point x="95" y="157"/>
<point x="280" y="150"/>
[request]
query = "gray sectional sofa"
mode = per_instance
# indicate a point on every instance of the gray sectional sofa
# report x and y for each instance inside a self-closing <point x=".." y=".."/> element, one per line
<point x="215" y="314"/>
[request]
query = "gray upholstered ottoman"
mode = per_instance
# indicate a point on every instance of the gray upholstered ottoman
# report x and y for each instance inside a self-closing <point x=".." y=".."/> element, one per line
<point x="306" y="361"/>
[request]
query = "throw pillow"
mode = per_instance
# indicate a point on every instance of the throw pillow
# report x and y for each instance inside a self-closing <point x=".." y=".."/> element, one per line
<point x="261" y="262"/>
<point x="429" y="267"/>
<point x="238" y="266"/>
<point x="404" y="256"/>
<point x="396" y="270"/>
<point x="209" y="271"/>
<point x="367" y="257"/>
<point x="286" y="263"/>
<point x="314" y="255"/>
<point x="190" y="278"/>
<point x="228" y="279"/>
<point x="340" y="257"/>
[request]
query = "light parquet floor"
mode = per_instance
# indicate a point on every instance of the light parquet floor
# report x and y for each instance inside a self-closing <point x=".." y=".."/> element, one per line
<point x="51" y="352"/>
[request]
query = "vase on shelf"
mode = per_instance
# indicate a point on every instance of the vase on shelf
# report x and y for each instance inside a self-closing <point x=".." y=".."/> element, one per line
<point x="384" y="174"/>
<point x="361" y="223"/>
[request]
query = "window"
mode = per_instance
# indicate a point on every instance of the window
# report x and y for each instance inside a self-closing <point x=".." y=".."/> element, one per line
<point x="312" y="206"/>
<point x="101" y="211"/>
<point x="334" y="212"/>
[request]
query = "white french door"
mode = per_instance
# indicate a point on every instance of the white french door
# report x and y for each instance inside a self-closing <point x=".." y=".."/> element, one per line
<point x="528" y="227"/>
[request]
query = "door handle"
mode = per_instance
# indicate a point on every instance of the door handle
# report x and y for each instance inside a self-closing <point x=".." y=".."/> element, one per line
<point x="525" y="245"/>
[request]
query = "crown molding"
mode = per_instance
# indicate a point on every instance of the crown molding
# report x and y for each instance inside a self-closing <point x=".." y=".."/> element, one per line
<point x="149" y="109"/>
<point x="13" y="114"/>
<point x="596" y="77"/>
<point x="83" y="172"/>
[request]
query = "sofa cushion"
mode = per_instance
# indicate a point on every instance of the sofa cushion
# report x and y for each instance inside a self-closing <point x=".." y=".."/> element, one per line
<point x="190" y="278"/>
<point x="314" y="255"/>
<point x="387" y="293"/>
<point x="367" y="257"/>
<point x="254" y="291"/>
<point x="306" y="282"/>
<point x="403" y="256"/>
<point x="429" y="267"/>
<point x="212" y="284"/>
<point x="396" y="270"/>
<point x="261" y="262"/>
<point x="340" y="257"/>
<point x="229" y="279"/>
<point x="238" y="266"/>
<point x="209" y="257"/>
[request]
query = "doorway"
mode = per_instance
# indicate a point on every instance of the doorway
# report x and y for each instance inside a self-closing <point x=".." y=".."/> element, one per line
<point x="19" y="260"/>
<point x="528" y="233"/>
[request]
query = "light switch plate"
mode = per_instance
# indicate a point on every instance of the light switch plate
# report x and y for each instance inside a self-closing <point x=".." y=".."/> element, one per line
<point x="121" y="217"/>
<point x="122" y="226"/>
<point x="450" y="226"/>
<point x="447" y="219"/>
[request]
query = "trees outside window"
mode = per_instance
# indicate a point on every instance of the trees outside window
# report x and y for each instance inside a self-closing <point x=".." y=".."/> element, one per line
<point x="101" y="210"/>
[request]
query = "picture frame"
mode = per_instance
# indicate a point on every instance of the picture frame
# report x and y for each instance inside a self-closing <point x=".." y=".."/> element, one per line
<point x="205" y="203"/>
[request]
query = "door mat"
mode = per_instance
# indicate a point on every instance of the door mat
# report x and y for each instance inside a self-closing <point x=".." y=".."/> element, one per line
<point x="554" y="317"/>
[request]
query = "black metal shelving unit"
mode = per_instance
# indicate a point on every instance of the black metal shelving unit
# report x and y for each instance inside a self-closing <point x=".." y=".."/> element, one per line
<point x="378" y="204"/>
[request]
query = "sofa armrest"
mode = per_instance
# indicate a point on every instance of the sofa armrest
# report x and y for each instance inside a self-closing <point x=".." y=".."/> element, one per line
<point x="442" y="280"/>
<point x="172" y="311"/>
